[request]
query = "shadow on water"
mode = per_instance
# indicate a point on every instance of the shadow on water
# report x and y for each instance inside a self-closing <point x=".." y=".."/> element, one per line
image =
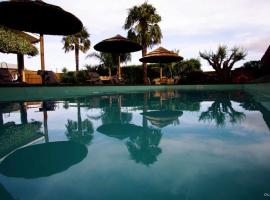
<point x="39" y="160"/>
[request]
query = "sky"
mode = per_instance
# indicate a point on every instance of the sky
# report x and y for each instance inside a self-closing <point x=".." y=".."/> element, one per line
<point x="188" y="26"/>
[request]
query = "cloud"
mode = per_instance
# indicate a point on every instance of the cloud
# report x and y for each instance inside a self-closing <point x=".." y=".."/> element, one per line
<point x="190" y="26"/>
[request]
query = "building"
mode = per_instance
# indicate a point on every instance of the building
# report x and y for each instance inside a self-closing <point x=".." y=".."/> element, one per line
<point x="266" y="61"/>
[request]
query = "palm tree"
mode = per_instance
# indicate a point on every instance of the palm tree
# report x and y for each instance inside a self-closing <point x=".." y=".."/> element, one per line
<point x="77" y="42"/>
<point x="110" y="60"/>
<point x="142" y="25"/>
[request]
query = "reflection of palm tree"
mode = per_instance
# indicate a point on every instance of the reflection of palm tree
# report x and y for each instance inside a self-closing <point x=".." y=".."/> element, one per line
<point x="111" y="113"/>
<point x="253" y="105"/>
<point x="220" y="110"/>
<point x="144" y="148"/>
<point x="80" y="131"/>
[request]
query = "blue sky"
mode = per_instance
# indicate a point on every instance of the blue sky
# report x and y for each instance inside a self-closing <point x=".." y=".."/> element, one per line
<point x="190" y="26"/>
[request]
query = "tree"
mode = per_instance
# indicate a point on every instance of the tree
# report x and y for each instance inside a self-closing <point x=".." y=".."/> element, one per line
<point x="187" y="66"/>
<point x="223" y="62"/>
<point x="77" y="42"/>
<point x="254" y="66"/>
<point x="142" y="25"/>
<point x="109" y="60"/>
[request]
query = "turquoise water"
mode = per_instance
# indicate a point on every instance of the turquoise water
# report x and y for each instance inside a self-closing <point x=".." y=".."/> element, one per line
<point x="163" y="144"/>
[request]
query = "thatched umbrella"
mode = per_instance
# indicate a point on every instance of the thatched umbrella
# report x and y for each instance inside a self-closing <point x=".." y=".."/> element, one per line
<point x="161" y="55"/>
<point x="119" y="130"/>
<point x="38" y="17"/>
<point x="17" y="42"/>
<point x="162" y="118"/>
<point x="118" y="44"/>
<point x="43" y="160"/>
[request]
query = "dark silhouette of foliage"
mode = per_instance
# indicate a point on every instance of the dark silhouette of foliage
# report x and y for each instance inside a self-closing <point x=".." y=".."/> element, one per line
<point x="142" y="25"/>
<point x="222" y="61"/>
<point x="78" y="42"/>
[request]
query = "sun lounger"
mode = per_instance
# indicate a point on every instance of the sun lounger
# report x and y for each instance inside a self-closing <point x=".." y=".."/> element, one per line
<point x="6" y="77"/>
<point x="94" y="79"/>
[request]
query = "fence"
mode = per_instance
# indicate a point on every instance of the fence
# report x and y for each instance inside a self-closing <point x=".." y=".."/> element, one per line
<point x="31" y="77"/>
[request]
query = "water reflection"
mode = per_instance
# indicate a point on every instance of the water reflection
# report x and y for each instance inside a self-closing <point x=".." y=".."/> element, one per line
<point x="221" y="111"/>
<point x="80" y="131"/>
<point x="142" y="142"/>
<point x="38" y="160"/>
<point x="163" y="118"/>
<point x="16" y="134"/>
<point x="125" y="132"/>
<point x="4" y="194"/>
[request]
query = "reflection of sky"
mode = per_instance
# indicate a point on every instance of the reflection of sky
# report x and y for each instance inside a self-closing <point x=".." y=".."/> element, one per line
<point x="199" y="160"/>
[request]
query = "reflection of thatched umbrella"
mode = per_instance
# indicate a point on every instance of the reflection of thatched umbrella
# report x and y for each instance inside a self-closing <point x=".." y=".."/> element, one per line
<point x="38" y="17"/>
<point x="162" y="118"/>
<point x="43" y="160"/>
<point x="120" y="131"/>
<point x="161" y="55"/>
<point x="118" y="44"/>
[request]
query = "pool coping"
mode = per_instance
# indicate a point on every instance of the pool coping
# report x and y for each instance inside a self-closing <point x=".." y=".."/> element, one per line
<point x="27" y="93"/>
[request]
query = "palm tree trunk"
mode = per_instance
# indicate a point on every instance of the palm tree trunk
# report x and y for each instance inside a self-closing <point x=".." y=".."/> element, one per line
<point x="145" y="108"/>
<point x="77" y="57"/>
<point x="145" y="78"/>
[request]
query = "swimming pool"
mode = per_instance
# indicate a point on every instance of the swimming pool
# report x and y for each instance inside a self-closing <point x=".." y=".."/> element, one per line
<point x="188" y="142"/>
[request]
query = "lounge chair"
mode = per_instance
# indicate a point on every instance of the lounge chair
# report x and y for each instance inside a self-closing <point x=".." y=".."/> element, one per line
<point x="6" y="77"/>
<point x="94" y="78"/>
<point x="117" y="81"/>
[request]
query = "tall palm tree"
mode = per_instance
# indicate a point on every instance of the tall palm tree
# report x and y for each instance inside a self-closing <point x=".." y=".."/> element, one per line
<point x="110" y="60"/>
<point x="142" y="25"/>
<point x="77" y="42"/>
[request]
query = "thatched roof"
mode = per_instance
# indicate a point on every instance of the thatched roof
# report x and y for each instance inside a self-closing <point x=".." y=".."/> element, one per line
<point x="117" y="44"/>
<point x="161" y="55"/>
<point x="38" y="17"/>
<point x="15" y="42"/>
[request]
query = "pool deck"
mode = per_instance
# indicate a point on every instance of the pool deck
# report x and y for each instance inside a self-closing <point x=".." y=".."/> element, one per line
<point x="31" y="93"/>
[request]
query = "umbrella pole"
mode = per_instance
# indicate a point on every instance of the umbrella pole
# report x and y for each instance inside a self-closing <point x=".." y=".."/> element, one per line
<point x="20" y="61"/>
<point x="119" y="68"/>
<point x="160" y="72"/>
<point x="42" y="62"/>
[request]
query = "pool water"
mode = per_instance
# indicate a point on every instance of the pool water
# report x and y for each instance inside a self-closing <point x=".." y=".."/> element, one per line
<point x="163" y="144"/>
